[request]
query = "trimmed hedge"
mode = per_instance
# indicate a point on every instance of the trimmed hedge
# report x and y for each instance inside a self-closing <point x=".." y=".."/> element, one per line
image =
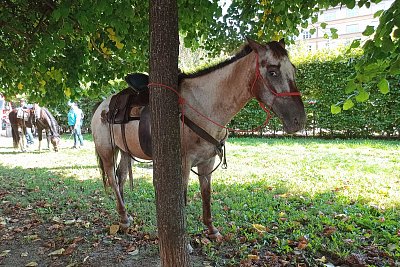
<point x="322" y="78"/>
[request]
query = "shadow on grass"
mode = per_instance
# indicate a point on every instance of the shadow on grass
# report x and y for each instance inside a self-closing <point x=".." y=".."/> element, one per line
<point x="268" y="223"/>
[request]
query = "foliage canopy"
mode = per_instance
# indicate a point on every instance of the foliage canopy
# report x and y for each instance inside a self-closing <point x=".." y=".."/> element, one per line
<point x="55" y="50"/>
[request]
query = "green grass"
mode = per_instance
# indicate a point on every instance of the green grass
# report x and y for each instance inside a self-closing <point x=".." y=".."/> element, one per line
<point x="332" y="198"/>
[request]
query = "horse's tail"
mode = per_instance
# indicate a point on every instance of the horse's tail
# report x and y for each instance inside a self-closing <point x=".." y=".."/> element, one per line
<point x="102" y="171"/>
<point x="15" y="136"/>
<point x="12" y="116"/>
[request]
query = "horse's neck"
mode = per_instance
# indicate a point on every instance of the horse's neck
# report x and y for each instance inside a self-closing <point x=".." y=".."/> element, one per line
<point x="220" y="94"/>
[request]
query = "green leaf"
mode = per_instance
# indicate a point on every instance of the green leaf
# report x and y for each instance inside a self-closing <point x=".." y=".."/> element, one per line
<point x="387" y="44"/>
<point x="383" y="86"/>
<point x="395" y="67"/>
<point x="362" y="96"/>
<point x="378" y="13"/>
<point x="348" y="104"/>
<point x="351" y="86"/>
<point x="323" y="25"/>
<point x="350" y="4"/>
<point x="369" y="30"/>
<point x="335" y="109"/>
<point x="355" y="43"/>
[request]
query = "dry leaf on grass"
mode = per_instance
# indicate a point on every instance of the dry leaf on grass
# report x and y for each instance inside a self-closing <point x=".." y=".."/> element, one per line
<point x="4" y="253"/>
<point x="56" y="252"/>
<point x="114" y="229"/>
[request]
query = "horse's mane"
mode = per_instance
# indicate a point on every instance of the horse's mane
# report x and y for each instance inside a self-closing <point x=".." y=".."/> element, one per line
<point x="277" y="49"/>
<point x="52" y="122"/>
<point x="242" y="53"/>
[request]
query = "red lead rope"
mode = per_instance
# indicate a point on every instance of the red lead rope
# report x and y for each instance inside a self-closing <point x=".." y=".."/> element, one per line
<point x="258" y="75"/>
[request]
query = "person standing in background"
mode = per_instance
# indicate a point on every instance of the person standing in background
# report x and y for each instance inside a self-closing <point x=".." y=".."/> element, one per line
<point x="28" y="135"/>
<point x="75" y="121"/>
<point x="2" y="105"/>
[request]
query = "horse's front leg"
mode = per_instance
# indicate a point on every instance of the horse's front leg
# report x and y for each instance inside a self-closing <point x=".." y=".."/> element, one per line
<point x="204" y="170"/>
<point x="48" y="139"/>
<point x="40" y="137"/>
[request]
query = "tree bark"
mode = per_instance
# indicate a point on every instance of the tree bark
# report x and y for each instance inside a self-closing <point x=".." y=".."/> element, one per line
<point x="167" y="169"/>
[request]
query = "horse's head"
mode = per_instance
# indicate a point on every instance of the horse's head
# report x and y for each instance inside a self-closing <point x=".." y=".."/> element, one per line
<point x="55" y="141"/>
<point x="275" y="84"/>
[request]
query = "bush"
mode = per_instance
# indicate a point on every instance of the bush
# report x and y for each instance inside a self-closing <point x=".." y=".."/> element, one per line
<point x="322" y="77"/>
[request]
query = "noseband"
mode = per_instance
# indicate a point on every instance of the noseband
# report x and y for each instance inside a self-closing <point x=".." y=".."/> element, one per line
<point x="272" y="90"/>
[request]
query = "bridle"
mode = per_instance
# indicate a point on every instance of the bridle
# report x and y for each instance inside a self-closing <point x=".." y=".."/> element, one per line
<point x="258" y="76"/>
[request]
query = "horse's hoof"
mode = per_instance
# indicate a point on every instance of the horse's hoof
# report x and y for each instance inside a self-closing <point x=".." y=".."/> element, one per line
<point x="124" y="226"/>
<point x="216" y="236"/>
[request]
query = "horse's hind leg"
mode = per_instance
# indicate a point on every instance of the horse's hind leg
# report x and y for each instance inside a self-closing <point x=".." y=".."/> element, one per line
<point x="204" y="171"/>
<point x="22" y="140"/>
<point x="109" y="169"/>
<point x="122" y="171"/>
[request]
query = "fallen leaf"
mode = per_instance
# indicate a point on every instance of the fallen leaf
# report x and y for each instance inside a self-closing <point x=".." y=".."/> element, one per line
<point x="134" y="253"/>
<point x="302" y="245"/>
<point x="205" y="241"/>
<point x="322" y="259"/>
<point x="31" y="264"/>
<point x="114" y="229"/>
<point x="131" y="248"/>
<point x="253" y="257"/>
<point x="260" y="228"/>
<point x="56" y="252"/>
<point x="4" y="253"/>
<point x="70" y="249"/>
<point x="329" y="230"/>
<point x="32" y="237"/>
<point x="56" y="219"/>
<point x="69" y="222"/>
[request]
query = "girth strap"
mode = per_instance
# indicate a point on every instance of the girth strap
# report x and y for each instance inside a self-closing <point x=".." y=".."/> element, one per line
<point x="219" y="145"/>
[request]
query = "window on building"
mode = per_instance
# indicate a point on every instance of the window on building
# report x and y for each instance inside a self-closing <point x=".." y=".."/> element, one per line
<point x="352" y="28"/>
<point x="306" y="35"/>
<point x="330" y="15"/>
<point x="352" y="12"/>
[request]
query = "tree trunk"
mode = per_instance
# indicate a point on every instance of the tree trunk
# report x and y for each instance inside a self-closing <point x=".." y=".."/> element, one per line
<point x="167" y="169"/>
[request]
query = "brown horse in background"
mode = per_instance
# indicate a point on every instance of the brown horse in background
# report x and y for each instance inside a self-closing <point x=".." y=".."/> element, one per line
<point x="213" y="97"/>
<point x="42" y="119"/>
<point x="19" y="125"/>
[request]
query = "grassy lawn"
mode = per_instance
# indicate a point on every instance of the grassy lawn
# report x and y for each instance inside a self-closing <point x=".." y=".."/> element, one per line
<point x="281" y="202"/>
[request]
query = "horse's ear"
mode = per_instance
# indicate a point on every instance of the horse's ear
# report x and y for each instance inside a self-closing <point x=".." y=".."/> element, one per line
<point x="282" y="42"/>
<point x="255" y="46"/>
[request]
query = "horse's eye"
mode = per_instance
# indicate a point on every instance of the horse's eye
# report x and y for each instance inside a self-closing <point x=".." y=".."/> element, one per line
<point x="273" y="73"/>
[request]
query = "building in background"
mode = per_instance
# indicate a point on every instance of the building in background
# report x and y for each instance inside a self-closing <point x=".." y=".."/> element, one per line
<point x="349" y="23"/>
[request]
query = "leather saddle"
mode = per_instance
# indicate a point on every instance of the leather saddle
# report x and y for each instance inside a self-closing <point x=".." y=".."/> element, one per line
<point x="132" y="104"/>
<point x="23" y="114"/>
<point x="126" y="105"/>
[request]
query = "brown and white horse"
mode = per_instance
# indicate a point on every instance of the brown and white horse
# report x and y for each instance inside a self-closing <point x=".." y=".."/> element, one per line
<point x="258" y="71"/>
<point x="42" y="119"/>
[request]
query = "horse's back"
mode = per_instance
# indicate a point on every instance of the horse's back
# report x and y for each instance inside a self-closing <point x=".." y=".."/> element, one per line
<point x="103" y="134"/>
